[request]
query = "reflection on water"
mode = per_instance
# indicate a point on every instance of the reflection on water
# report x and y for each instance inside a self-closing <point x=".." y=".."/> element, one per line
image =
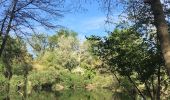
<point x="68" y="95"/>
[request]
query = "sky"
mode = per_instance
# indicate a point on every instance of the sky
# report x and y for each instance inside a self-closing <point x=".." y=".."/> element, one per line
<point x="88" y="22"/>
<point x="85" y="23"/>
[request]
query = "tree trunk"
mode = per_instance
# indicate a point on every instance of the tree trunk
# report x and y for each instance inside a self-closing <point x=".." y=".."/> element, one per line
<point x="8" y="75"/>
<point x="162" y="30"/>
<point x="140" y="93"/>
<point x="158" y="85"/>
<point x="148" y="90"/>
<point x="25" y="80"/>
<point x="12" y="15"/>
<point x="132" y="95"/>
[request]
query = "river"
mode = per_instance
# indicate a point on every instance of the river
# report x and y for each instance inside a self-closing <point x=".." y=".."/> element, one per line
<point x="78" y="94"/>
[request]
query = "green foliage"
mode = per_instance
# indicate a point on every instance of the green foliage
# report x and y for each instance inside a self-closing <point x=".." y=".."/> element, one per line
<point x="15" y="82"/>
<point x="126" y="84"/>
<point x="89" y="74"/>
<point x="1" y="66"/>
<point x="64" y="55"/>
<point x="14" y="58"/>
<point x="127" y="53"/>
<point x="62" y="33"/>
<point x="77" y="80"/>
<point x="14" y="48"/>
<point x="43" y="77"/>
<point x="20" y="68"/>
<point x="132" y="56"/>
<point x="62" y="51"/>
<point x="3" y="83"/>
<point x="103" y="81"/>
<point x="39" y="43"/>
<point x="72" y="80"/>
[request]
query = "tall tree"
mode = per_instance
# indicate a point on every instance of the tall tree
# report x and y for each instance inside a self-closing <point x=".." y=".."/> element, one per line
<point x="62" y="50"/>
<point x="127" y="53"/>
<point x="146" y="13"/>
<point x="21" y="17"/>
<point x="162" y="29"/>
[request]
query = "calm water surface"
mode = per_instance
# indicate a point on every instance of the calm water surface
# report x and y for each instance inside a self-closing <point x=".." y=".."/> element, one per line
<point x="68" y="95"/>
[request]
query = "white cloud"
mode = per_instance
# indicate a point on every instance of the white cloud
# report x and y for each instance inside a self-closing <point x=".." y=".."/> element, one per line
<point x="98" y="23"/>
<point x="93" y="23"/>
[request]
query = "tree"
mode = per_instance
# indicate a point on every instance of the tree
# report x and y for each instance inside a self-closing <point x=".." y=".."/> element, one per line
<point x="39" y="43"/>
<point x="15" y="59"/>
<point x="53" y="40"/>
<point x="62" y="51"/>
<point x="21" y="17"/>
<point x="152" y="12"/>
<point x="12" y="55"/>
<point x="127" y="53"/>
<point x="162" y="29"/>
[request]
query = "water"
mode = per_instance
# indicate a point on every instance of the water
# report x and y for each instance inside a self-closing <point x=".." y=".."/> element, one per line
<point x="78" y="94"/>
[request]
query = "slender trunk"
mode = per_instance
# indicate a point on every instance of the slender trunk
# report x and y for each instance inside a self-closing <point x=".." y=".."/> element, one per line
<point x="136" y="87"/>
<point x="3" y="44"/>
<point x="153" y="87"/>
<point x="159" y="86"/>
<point x="2" y="26"/>
<point x="8" y="67"/>
<point x="7" y="74"/>
<point x="148" y="90"/>
<point x="25" y="81"/>
<point x="8" y="27"/>
<point x="117" y="78"/>
<point x="146" y="85"/>
<point x="162" y="30"/>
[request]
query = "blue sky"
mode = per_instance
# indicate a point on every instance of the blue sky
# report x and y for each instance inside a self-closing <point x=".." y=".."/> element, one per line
<point x="90" y="22"/>
<point x="86" y="23"/>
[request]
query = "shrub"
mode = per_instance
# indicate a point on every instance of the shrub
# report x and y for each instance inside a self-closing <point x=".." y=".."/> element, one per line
<point x="16" y="82"/>
<point x="102" y="81"/>
<point x="41" y="78"/>
<point x="72" y="80"/>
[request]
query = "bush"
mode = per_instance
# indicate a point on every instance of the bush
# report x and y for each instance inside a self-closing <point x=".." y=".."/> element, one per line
<point x="16" y="82"/>
<point x="89" y="75"/>
<point x="72" y="80"/>
<point x="38" y="79"/>
<point x="89" y="78"/>
<point x="102" y="81"/>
